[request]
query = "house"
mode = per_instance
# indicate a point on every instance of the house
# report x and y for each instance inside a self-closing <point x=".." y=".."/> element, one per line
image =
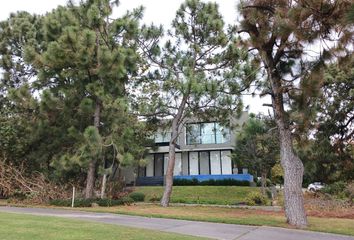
<point x="203" y="152"/>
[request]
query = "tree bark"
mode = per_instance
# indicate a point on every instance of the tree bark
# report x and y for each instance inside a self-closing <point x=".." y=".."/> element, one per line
<point x="103" y="187"/>
<point x="176" y="122"/>
<point x="91" y="173"/>
<point x="291" y="163"/>
<point x="165" y="201"/>
<point x="263" y="182"/>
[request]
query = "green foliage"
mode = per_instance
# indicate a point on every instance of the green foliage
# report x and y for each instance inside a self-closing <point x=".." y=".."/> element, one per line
<point x="79" y="61"/>
<point x="127" y="200"/>
<point x="336" y="188"/>
<point x="277" y="174"/>
<point x="79" y="202"/>
<point x="211" y="182"/>
<point x="155" y="198"/>
<point x="256" y="198"/>
<point x="329" y="156"/>
<point x="257" y="146"/>
<point x="198" y="66"/>
<point x="137" y="196"/>
<point x="114" y="202"/>
<point x="222" y="195"/>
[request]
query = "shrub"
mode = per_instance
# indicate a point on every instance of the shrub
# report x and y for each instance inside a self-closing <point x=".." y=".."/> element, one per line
<point x="107" y="202"/>
<point x="155" y="198"/>
<point x="349" y="190"/>
<point x="81" y="202"/>
<point x="336" y="188"/>
<point x="137" y="196"/>
<point x="60" y="202"/>
<point x="211" y="182"/>
<point x="185" y="182"/>
<point x="256" y="198"/>
<point x="126" y="200"/>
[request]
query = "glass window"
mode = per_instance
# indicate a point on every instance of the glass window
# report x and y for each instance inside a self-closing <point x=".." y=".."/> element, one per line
<point x="162" y="137"/>
<point x="207" y="133"/>
<point x="193" y="133"/>
<point x="158" y="164"/>
<point x="222" y="134"/>
<point x="204" y="163"/>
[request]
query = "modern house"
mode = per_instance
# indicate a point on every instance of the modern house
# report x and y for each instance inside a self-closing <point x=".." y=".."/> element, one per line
<point x="203" y="152"/>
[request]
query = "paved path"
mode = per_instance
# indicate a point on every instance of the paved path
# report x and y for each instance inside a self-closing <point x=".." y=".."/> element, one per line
<point x="202" y="229"/>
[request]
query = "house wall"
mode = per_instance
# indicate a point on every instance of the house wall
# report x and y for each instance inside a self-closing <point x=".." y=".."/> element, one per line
<point x="195" y="159"/>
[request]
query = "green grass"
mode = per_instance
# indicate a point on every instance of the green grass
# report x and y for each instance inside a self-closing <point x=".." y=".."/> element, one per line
<point x="28" y="227"/>
<point x="223" y="195"/>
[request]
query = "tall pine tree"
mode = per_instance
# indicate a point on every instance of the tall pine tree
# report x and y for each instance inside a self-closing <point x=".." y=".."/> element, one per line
<point x="281" y="31"/>
<point x="87" y="62"/>
<point x="193" y="74"/>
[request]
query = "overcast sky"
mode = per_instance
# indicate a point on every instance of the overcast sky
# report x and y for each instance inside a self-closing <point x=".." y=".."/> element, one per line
<point x="156" y="11"/>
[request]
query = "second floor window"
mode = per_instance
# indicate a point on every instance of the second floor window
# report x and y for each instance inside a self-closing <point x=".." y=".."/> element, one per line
<point x="206" y="133"/>
<point x="162" y="137"/>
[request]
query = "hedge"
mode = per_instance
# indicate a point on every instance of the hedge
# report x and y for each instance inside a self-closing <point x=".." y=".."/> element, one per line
<point x="211" y="182"/>
<point x="137" y="196"/>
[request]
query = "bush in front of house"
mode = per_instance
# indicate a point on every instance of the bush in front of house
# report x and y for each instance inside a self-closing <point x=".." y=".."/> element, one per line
<point x="137" y="196"/>
<point x="256" y="198"/>
<point x="185" y="182"/>
<point x="210" y="182"/>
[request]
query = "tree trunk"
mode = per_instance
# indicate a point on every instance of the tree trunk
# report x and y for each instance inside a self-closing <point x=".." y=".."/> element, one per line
<point x="103" y="187"/>
<point x="91" y="173"/>
<point x="263" y="182"/>
<point x="165" y="201"/>
<point x="293" y="174"/>
<point x="291" y="163"/>
<point x="176" y="122"/>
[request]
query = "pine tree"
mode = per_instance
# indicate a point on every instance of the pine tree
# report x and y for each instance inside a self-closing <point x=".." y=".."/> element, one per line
<point x="279" y="32"/>
<point x="193" y="75"/>
<point x="87" y="62"/>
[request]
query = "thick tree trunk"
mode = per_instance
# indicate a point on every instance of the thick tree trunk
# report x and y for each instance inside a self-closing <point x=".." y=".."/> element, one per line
<point x="91" y="173"/>
<point x="165" y="201"/>
<point x="293" y="174"/>
<point x="263" y="182"/>
<point x="291" y="163"/>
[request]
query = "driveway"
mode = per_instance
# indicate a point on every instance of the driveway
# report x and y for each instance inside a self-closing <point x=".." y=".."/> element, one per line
<point x="194" y="228"/>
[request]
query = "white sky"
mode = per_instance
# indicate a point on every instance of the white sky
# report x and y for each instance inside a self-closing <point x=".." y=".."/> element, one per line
<point x="156" y="11"/>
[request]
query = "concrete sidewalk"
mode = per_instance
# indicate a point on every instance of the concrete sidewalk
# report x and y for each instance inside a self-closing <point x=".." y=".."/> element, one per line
<point x="194" y="228"/>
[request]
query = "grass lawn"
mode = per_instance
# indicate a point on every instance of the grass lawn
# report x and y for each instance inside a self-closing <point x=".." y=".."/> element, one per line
<point x="230" y="215"/>
<point x="27" y="227"/>
<point x="224" y="195"/>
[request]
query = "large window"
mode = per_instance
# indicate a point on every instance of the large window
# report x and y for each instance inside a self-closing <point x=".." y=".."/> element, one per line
<point x="209" y="162"/>
<point x="162" y="137"/>
<point x="206" y="133"/>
